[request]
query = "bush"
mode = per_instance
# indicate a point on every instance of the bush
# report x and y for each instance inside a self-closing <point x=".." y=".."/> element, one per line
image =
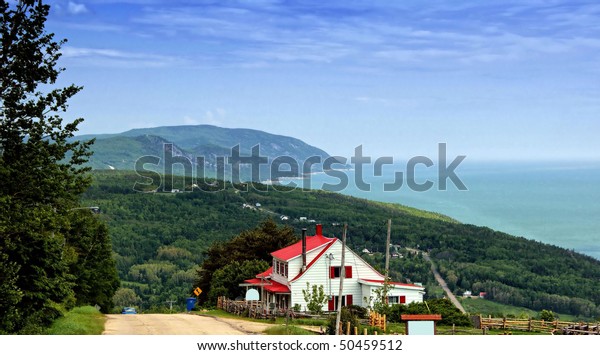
<point x="358" y="311"/>
<point x="346" y="316"/>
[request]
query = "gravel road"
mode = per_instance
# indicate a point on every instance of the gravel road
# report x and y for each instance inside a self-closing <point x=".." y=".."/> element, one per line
<point x="178" y="324"/>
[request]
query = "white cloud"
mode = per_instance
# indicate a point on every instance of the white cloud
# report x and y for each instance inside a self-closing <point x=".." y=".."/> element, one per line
<point x="213" y="117"/>
<point x="76" y="9"/>
<point x="118" y="58"/>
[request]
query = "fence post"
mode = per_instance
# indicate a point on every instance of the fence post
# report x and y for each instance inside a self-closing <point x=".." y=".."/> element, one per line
<point x="365" y="331"/>
<point x="348" y="328"/>
<point x="529" y="325"/>
<point x="453" y="329"/>
<point x="504" y="323"/>
<point x="355" y="330"/>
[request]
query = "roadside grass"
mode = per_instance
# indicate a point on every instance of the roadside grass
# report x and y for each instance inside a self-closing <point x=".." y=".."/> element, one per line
<point x="85" y="320"/>
<point x="287" y="330"/>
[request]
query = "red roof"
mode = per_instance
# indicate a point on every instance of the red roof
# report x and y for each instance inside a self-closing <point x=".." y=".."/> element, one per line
<point x="269" y="285"/>
<point x="314" y="260"/>
<point x="295" y="250"/>
<point x="265" y="274"/>
<point x="276" y="287"/>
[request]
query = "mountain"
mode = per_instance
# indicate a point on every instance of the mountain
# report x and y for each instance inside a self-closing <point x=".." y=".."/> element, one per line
<point x="121" y="151"/>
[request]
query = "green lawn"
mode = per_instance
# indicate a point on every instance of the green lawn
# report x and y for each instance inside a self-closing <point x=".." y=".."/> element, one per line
<point x="79" y="321"/>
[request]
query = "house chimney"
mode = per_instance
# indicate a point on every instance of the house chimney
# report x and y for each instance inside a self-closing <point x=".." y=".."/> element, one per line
<point x="319" y="229"/>
<point x="303" y="249"/>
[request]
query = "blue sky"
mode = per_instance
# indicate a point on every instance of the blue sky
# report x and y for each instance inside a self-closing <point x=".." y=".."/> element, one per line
<point x="495" y="80"/>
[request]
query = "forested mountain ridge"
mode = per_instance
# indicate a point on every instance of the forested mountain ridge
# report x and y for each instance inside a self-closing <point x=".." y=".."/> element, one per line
<point x="159" y="240"/>
<point x="120" y="151"/>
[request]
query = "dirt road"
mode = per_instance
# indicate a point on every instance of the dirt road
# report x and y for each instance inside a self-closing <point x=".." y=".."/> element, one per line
<point x="443" y="284"/>
<point x="178" y="324"/>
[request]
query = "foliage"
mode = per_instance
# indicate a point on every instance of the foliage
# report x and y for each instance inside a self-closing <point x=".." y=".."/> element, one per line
<point x="547" y="315"/>
<point x="513" y="271"/>
<point x="42" y="179"/>
<point x="315" y="298"/>
<point x="125" y="297"/>
<point x="254" y="244"/>
<point x="450" y="314"/>
<point x="226" y="280"/>
<point x="85" y="320"/>
<point x="90" y="260"/>
<point x="358" y="311"/>
<point x="345" y="317"/>
<point x="380" y="303"/>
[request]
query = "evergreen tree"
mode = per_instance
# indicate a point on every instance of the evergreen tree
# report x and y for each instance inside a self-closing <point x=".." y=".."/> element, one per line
<point x="39" y="169"/>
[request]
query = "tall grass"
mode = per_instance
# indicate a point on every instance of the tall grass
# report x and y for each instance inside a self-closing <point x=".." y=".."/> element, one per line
<point x="79" y="321"/>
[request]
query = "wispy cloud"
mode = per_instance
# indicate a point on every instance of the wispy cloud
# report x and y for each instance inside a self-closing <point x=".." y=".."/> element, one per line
<point x="76" y="9"/>
<point x="118" y="58"/>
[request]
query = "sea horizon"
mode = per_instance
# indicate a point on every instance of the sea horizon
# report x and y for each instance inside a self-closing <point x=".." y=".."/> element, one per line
<point x="554" y="202"/>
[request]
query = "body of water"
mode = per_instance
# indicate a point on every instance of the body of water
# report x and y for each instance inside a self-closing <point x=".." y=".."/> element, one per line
<point x="555" y="203"/>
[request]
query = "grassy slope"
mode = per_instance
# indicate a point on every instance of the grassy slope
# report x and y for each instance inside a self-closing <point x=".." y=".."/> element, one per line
<point x="495" y="309"/>
<point x="79" y="321"/>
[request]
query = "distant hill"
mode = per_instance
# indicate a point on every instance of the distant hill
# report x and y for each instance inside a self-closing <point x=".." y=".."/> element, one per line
<point x="120" y="151"/>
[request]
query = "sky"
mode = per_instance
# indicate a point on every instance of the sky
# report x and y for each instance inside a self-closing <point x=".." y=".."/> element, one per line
<point x="495" y="80"/>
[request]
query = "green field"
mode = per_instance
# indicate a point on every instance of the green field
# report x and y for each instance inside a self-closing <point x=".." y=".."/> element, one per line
<point x="487" y="308"/>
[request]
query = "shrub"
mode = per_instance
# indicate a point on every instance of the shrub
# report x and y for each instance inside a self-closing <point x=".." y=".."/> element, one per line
<point x="346" y="316"/>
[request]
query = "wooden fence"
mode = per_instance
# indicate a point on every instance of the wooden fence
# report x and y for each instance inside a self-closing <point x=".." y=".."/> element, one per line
<point x="532" y="325"/>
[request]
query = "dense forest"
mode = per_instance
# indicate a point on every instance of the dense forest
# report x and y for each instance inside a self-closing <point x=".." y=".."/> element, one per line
<point x="161" y="239"/>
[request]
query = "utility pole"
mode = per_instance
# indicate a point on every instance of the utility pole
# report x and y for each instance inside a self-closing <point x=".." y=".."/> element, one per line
<point x="342" y="276"/>
<point x="387" y="248"/>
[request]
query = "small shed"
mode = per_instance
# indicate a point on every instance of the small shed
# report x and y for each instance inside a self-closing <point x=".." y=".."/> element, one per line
<point x="421" y="324"/>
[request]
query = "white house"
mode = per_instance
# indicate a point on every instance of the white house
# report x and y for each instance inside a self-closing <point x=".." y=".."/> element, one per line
<point x="317" y="260"/>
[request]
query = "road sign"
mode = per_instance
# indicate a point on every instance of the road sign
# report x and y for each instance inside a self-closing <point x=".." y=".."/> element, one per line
<point x="197" y="291"/>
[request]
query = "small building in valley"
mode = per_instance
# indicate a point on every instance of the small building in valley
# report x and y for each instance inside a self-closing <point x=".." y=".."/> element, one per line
<point x="317" y="260"/>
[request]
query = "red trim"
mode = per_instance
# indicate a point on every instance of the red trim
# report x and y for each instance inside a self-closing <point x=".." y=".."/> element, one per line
<point x="402" y="299"/>
<point x="421" y="316"/>
<point x="392" y="283"/>
<point x="332" y="272"/>
<point x="349" y="300"/>
<point x="313" y="261"/>
<point x="265" y="274"/>
<point x="348" y="271"/>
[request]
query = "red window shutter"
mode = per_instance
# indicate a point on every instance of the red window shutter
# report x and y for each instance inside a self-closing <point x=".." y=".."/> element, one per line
<point x="402" y="299"/>
<point x="349" y="300"/>
<point x="331" y="305"/>
<point x="331" y="272"/>
<point x="348" y="271"/>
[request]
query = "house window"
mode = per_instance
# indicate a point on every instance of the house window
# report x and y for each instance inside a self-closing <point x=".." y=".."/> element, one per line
<point x="347" y="300"/>
<point x="335" y="272"/>
<point x="280" y="268"/>
<point x="396" y="299"/>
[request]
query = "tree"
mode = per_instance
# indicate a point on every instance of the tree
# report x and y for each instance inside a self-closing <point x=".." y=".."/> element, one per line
<point x="226" y="280"/>
<point x="255" y="244"/>
<point x="315" y="298"/>
<point x="39" y="169"/>
<point x="89" y="247"/>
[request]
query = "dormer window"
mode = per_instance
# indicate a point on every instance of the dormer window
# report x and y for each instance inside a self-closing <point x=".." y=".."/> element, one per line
<point x="280" y="268"/>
